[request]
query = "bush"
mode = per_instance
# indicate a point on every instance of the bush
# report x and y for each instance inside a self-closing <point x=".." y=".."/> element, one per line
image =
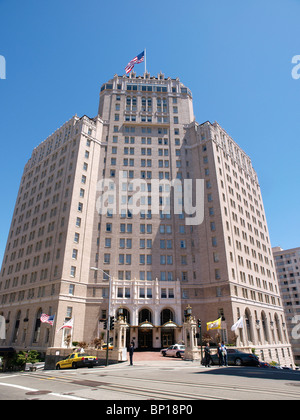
<point x="24" y="357"/>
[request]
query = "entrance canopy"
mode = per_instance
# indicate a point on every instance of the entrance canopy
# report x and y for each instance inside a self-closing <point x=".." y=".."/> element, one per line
<point x="146" y="324"/>
<point x="6" y="350"/>
<point x="170" y="324"/>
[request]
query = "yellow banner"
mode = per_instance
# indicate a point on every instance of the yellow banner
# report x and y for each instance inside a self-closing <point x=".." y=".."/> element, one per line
<point x="214" y="325"/>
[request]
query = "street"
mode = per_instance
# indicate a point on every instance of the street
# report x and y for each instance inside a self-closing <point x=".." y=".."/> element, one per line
<point x="160" y="379"/>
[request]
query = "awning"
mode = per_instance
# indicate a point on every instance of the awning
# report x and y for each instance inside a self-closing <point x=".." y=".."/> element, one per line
<point x="5" y="350"/>
<point x="170" y="324"/>
<point x="146" y="324"/>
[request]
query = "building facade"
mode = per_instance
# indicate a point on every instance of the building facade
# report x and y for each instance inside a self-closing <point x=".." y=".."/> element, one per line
<point x="287" y="264"/>
<point x="166" y="210"/>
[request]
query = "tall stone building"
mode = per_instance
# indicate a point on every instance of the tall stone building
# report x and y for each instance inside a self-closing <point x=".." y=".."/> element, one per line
<point x="287" y="262"/>
<point x="166" y="210"/>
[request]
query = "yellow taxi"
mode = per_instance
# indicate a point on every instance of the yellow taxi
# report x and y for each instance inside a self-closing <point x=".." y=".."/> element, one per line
<point x="76" y="360"/>
<point x="110" y="346"/>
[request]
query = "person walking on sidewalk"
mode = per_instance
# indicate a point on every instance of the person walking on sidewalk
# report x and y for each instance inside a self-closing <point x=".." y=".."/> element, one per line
<point x="207" y="355"/>
<point x="220" y="355"/>
<point x="224" y="353"/>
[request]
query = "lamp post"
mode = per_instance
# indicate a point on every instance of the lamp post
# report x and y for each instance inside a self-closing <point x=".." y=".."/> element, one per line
<point x="200" y="328"/>
<point x="188" y="312"/>
<point x="109" y="307"/>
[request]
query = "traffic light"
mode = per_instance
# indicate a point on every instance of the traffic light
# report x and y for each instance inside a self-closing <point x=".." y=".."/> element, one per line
<point x="112" y="322"/>
<point x="199" y="323"/>
<point x="105" y="324"/>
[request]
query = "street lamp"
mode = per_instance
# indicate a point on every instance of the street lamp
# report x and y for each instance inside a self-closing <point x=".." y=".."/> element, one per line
<point x="109" y="307"/>
<point x="199" y="323"/>
<point x="188" y="312"/>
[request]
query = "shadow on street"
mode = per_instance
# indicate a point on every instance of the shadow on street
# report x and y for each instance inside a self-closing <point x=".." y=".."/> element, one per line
<point x="252" y="372"/>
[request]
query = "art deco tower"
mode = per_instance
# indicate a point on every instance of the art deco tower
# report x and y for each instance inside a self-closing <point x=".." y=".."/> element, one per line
<point x="77" y="223"/>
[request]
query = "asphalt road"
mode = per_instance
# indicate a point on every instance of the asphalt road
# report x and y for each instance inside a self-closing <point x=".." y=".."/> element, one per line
<point x="162" y="380"/>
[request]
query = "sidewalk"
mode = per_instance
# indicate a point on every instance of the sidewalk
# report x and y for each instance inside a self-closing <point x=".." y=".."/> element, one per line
<point x="148" y="358"/>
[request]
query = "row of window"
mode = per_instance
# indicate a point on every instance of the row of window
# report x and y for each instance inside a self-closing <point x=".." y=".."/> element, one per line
<point x="146" y="119"/>
<point x="143" y="151"/>
<point x="145" y="292"/>
<point x="143" y="275"/>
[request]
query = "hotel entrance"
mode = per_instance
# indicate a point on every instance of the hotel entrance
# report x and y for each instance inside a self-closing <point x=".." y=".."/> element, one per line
<point x="145" y="330"/>
<point x="145" y="339"/>
<point x="167" y="338"/>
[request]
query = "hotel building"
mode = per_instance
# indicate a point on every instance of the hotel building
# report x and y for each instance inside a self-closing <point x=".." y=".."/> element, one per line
<point x="287" y="263"/>
<point x="75" y="226"/>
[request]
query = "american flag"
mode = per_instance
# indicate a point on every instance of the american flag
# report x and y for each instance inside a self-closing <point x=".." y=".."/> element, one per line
<point x="136" y="60"/>
<point x="48" y="319"/>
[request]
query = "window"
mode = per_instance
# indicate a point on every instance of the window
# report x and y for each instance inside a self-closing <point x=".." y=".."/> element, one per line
<point x="184" y="276"/>
<point x="71" y="289"/>
<point x="163" y="293"/>
<point x="171" y="293"/>
<point x="73" y="271"/>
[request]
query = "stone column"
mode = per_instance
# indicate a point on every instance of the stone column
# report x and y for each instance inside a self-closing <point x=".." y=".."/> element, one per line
<point x="189" y="333"/>
<point x="120" y="331"/>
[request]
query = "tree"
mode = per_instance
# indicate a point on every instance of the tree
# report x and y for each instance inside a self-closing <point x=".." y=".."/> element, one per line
<point x="24" y="357"/>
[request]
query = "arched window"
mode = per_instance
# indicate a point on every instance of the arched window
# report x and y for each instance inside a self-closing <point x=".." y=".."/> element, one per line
<point x="248" y="319"/>
<point x="278" y="329"/>
<point x="166" y="315"/>
<point x="145" y="315"/>
<point x="37" y="328"/>
<point x="264" y="326"/>
<point x="17" y="325"/>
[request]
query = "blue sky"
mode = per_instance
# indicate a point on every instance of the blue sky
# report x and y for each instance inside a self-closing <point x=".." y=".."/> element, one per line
<point x="235" y="56"/>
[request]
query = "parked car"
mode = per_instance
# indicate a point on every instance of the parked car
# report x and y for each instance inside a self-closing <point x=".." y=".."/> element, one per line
<point x="264" y="365"/>
<point x="177" y="350"/>
<point x="76" y="360"/>
<point x="237" y="358"/>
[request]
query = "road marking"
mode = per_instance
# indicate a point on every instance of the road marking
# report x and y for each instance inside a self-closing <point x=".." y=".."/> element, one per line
<point x="24" y="388"/>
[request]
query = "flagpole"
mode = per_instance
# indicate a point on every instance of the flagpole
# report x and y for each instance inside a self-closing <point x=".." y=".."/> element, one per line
<point x="145" y="61"/>
<point x="54" y="329"/>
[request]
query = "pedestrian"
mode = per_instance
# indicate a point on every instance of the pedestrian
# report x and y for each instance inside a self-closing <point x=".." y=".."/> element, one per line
<point x="131" y="350"/>
<point x="224" y="354"/>
<point x="207" y="355"/>
<point x="220" y="355"/>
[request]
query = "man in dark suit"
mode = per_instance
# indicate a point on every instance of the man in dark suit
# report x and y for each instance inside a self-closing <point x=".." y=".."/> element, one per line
<point x="131" y="350"/>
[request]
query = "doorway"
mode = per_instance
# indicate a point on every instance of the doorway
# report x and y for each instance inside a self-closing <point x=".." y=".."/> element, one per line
<point x="167" y="338"/>
<point x="145" y="339"/>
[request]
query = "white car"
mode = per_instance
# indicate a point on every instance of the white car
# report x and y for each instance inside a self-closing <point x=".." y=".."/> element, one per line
<point x="177" y="350"/>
